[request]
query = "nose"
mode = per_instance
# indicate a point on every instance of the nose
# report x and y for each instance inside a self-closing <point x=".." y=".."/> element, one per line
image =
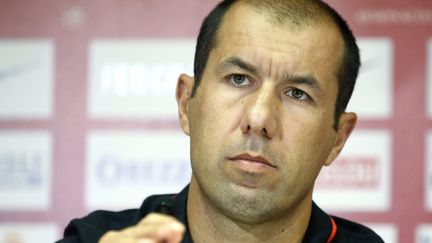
<point x="260" y="114"/>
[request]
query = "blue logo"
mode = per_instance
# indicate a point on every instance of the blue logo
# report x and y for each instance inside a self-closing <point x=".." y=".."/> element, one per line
<point x="18" y="69"/>
<point x="112" y="170"/>
<point x="20" y="169"/>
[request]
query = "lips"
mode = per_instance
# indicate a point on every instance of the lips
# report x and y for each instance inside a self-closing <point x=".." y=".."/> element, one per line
<point x="252" y="159"/>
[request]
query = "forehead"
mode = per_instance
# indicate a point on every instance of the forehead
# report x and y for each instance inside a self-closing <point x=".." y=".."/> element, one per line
<point x="314" y="48"/>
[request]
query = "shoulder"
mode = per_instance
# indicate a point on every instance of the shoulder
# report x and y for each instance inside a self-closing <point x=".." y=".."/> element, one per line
<point x="91" y="227"/>
<point x="348" y="231"/>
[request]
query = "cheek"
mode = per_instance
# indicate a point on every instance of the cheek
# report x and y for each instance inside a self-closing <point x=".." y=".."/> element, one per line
<point x="219" y="117"/>
<point x="206" y="128"/>
<point x="305" y="155"/>
<point x="309" y="137"/>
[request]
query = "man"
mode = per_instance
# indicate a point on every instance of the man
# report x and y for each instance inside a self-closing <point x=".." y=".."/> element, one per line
<point x="264" y="112"/>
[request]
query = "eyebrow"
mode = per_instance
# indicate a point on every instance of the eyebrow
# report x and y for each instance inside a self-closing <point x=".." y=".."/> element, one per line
<point x="307" y="80"/>
<point x="237" y="62"/>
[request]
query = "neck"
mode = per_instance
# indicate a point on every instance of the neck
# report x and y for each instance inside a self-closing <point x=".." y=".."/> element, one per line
<point x="209" y="224"/>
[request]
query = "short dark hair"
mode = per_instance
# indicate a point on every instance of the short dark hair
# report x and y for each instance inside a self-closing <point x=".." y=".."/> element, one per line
<point x="349" y="63"/>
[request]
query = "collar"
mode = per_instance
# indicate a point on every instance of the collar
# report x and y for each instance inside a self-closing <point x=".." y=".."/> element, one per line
<point x="180" y="212"/>
<point x="321" y="228"/>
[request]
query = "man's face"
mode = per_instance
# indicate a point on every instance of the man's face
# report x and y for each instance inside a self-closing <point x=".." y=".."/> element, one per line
<point x="261" y="120"/>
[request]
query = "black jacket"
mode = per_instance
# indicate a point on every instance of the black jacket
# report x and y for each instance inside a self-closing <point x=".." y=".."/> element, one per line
<point x="322" y="227"/>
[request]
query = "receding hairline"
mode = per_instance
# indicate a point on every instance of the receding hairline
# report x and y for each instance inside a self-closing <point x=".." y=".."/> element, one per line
<point x="296" y="13"/>
<point x="313" y="16"/>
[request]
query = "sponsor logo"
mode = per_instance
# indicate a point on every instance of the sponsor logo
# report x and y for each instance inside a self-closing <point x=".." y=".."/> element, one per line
<point x="25" y="167"/>
<point x="125" y="167"/>
<point x="21" y="170"/>
<point x="424" y="239"/>
<point x="12" y="237"/>
<point x="429" y="78"/>
<point x="373" y="97"/>
<point x="114" y="171"/>
<point x="388" y="232"/>
<point x="394" y="16"/>
<point x="74" y="17"/>
<point x="424" y="233"/>
<point x="127" y="77"/>
<point x="26" y="81"/>
<point x="429" y="188"/>
<point x="360" y="179"/>
<point x="356" y="172"/>
<point x="28" y="232"/>
<point x="139" y="79"/>
<point x="428" y="174"/>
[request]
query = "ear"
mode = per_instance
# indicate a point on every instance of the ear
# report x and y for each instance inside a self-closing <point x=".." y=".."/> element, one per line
<point x="346" y="124"/>
<point x="183" y="95"/>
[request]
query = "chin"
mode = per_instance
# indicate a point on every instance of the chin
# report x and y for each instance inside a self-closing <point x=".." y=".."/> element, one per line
<point x="248" y="211"/>
<point x="246" y="205"/>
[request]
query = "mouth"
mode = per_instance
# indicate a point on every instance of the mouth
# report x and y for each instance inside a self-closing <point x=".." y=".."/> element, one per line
<point x="253" y="160"/>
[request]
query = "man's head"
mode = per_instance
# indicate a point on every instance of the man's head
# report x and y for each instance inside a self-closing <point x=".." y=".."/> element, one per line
<point x="298" y="14"/>
<point x="261" y="123"/>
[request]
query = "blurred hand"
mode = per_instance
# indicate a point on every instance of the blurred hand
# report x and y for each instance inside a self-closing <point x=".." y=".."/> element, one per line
<point x="154" y="228"/>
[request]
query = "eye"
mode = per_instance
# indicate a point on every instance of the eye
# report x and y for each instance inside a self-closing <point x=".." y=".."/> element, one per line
<point x="297" y="94"/>
<point x="239" y="80"/>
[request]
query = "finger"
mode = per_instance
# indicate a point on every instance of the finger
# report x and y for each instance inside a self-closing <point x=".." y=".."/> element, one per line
<point x="158" y="227"/>
<point x="120" y="237"/>
<point x="168" y="231"/>
<point x="157" y="218"/>
<point x="116" y="237"/>
<point x="146" y="241"/>
<point x="166" y="223"/>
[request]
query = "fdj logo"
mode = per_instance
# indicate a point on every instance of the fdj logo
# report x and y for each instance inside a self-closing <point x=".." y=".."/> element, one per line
<point x="112" y="170"/>
<point x="351" y="172"/>
<point x="123" y="79"/>
<point x="20" y="169"/>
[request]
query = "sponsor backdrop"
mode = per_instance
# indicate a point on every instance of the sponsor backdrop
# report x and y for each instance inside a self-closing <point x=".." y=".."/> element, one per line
<point x="88" y="117"/>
